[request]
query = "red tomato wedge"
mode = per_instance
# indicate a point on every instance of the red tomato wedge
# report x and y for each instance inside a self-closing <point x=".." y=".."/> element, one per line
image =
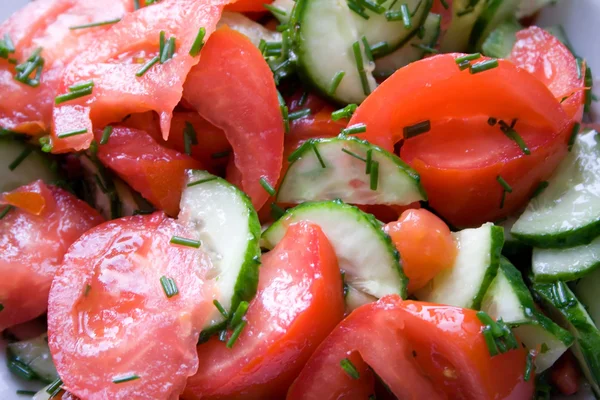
<point x="113" y="331"/>
<point x="552" y="62"/>
<point x="113" y="62"/>
<point x="425" y="244"/>
<point x="233" y="88"/>
<point x="32" y="248"/>
<point x="46" y="24"/>
<point x="155" y="171"/>
<point x="419" y="350"/>
<point x="299" y="302"/>
<point x="252" y="6"/>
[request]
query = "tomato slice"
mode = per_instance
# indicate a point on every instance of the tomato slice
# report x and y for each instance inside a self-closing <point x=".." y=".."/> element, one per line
<point x="420" y="351"/>
<point x="299" y="302"/>
<point x="425" y="246"/>
<point x="46" y="24"/>
<point x="251" y="6"/>
<point x="32" y="248"/>
<point x="552" y="62"/>
<point x="113" y="332"/>
<point x="155" y="171"/>
<point x="113" y="62"/>
<point x="233" y="88"/>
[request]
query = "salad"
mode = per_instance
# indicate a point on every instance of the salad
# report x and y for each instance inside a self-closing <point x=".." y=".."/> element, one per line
<point x="305" y="199"/>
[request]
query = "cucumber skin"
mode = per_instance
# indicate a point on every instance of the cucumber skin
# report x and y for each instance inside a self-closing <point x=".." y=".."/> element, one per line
<point x="570" y="238"/>
<point x="485" y="18"/>
<point x="566" y="276"/>
<point x="495" y="255"/>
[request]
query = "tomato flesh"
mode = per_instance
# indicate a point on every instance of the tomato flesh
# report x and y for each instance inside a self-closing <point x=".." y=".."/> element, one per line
<point x="425" y="244"/>
<point x="109" y="317"/>
<point x="32" y="248"/>
<point x="299" y="302"/>
<point x="232" y="87"/>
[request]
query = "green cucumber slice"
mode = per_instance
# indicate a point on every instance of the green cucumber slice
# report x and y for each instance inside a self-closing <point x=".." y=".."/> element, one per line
<point x="365" y="253"/>
<point x="244" y="25"/>
<point x="476" y="265"/>
<point x="549" y="265"/>
<point x="229" y="229"/>
<point x="329" y="169"/>
<point x="35" y="354"/>
<point x="464" y="15"/>
<point x="494" y="13"/>
<point x="586" y="290"/>
<point x="567" y="213"/>
<point x="412" y="51"/>
<point x="509" y="298"/>
<point x="36" y="165"/>
<point x="563" y="307"/>
<point x="500" y="41"/>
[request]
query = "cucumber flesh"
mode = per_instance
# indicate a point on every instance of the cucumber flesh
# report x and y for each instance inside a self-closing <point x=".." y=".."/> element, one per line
<point x="36" y="165"/>
<point x="412" y="50"/>
<point x="464" y="15"/>
<point x="228" y="227"/>
<point x="586" y="290"/>
<point x="549" y="265"/>
<point x="494" y="13"/>
<point x="244" y="25"/>
<point x="328" y="169"/>
<point x="355" y="298"/>
<point x="286" y="6"/>
<point x="476" y="265"/>
<point x="509" y="298"/>
<point x="500" y="41"/>
<point x="565" y="308"/>
<point x="567" y="213"/>
<point x="35" y="354"/>
<point x="365" y="253"/>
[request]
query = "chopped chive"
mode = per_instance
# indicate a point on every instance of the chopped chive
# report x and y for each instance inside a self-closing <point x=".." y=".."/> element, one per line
<point x="75" y="94"/>
<point x="221" y="309"/>
<point x="578" y="62"/>
<point x="373" y="6"/>
<point x="444" y="4"/>
<point x="54" y="386"/>
<point x="369" y="161"/>
<point x="201" y="181"/>
<point x="185" y="242"/>
<point x="20" y="158"/>
<point x="86" y="290"/>
<point x="169" y="286"/>
<point x="262" y="45"/>
<point x="392" y="5"/>
<point x="540" y="188"/>
<point x="168" y="50"/>
<point x="426" y="49"/>
<point x="361" y="68"/>
<point x="276" y="211"/>
<point x="511" y="133"/>
<point x="485" y="319"/>
<point x="189" y="138"/>
<point x="295" y="155"/>
<point x="483" y="66"/>
<point x="8" y="43"/>
<point x="284" y="112"/>
<point x="417" y="129"/>
<point x="504" y="184"/>
<point x="22" y="370"/>
<point x="26" y="392"/>
<point x="345" y="112"/>
<point x="106" y="134"/>
<point x="508" y="336"/>
<point x="198" y="42"/>
<point x="393" y="15"/>
<point x="236" y="334"/>
<point x="353" y="129"/>
<point x="367" y="48"/>
<point x="136" y="5"/>
<point x="221" y="154"/>
<point x="267" y="186"/>
<point x="464" y="65"/>
<point x="303" y="99"/>
<point x="529" y="367"/>
<point x="46" y="144"/>
<point x="354" y="155"/>
<point x="374" y="173"/>
<point x="349" y="368"/>
<point x="5" y="211"/>
<point x="379" y="49"/>
<point x="162" y="40"/>
<point x="124" y="379"/>
<point x="71" y="133"/>
<point x="492" y="121"/>
<point x="357" y="9"/>
<point x="468" y="57"/>
<point x="239" y="314"/>
<point x="421" y="32"/>
<point x="335" y="82"/>
<point x="149" y="64"/>
<point x="81" y="86"/>
<point x="275" y="10"/>
<point x="305" y="112"/>
<point x="490" y="341"/>
<point x="406" y="19"/>
<point x="573" y="136"/>
<point x="503" y="200"/>
<point x="544" y="348"/>
<point x="95" y="24"/>
<point x="318" y="155"/>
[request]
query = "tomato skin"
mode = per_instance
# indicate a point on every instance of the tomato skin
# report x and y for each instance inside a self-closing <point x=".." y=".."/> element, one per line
<point x="299" y="302"/>
<point x="565" y="374"/>
<point x="425" y="244"/>
<point x="109" y="316"/>
<point x="244" y="6"/>
<point x="232" y="87"/>
<point x="420" y="351"/>
<point x="153" y="170"/>
<point x="32" y="248"/>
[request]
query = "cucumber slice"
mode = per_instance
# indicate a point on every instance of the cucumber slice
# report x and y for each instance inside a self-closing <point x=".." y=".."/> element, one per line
<point x="355" y="298"/>
<point x="365" y="254"/>
<point x="286" y="7"/>
<point x="513" y="248"/>
<point x="509" y="298"/>
<point x="567" y="213"/>
<point x="325" y="50"/>
<point x="549" y="265"/>
<point x="563" y="307"/>
<point x="494" y="13"/>
<point x="244" y="25"/>
<point x="328" y="169"/>
<point x="36" y="165"/>
<point x="229" y="230"/>
<point x="35" y="354"/>
<point x="476" y="265"/>
<point x="500" y="41"/>
<point x="586" y="290"/>
<point x="412" y="50"/>
<point x="464" y="15"/>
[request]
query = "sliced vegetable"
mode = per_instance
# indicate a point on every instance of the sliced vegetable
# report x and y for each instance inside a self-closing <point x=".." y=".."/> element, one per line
<point x="475" y="266"/>
<point x="35" y="354"/>
<point x="494" y="13"/>
<point x="21" y="164"/>
<point x="586" y="290"/>
<point x="549" y="265"/>
<point x="358" y="242"/>
<point x="465" y="14"/>
<point x="244" y="25"/>
<point x="500" y="42"/>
